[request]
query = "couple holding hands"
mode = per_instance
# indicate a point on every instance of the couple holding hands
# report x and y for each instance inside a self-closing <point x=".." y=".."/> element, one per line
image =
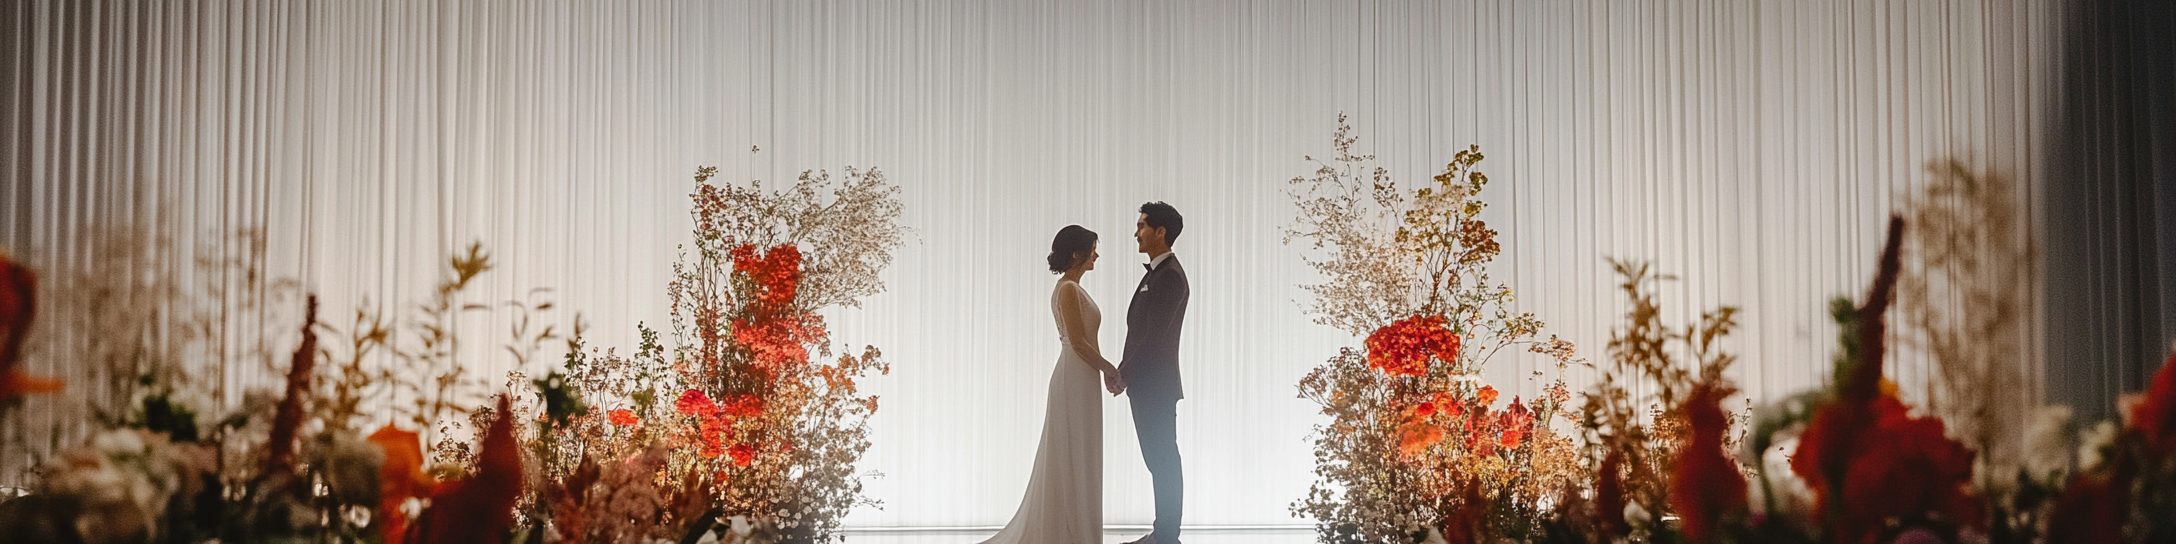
<point x="1064" y="501"/>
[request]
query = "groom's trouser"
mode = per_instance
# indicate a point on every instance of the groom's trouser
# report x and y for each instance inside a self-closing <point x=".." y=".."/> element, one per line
<point x="1156" y="424"/>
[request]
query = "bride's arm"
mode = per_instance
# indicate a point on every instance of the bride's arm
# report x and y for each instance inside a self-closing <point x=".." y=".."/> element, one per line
<point x="1077" y="332"/>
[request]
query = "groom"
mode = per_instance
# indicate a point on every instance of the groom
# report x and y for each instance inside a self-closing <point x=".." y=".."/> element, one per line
<point x="1149" y="370"/>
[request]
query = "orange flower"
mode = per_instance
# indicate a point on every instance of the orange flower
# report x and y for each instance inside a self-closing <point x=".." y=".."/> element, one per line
<point x="1403" y="348"/>
<point x="1486" y="396"/>
<point x="712" y="426"/>
<point x="1415" y="438"/>
<point x="743" y="454"/>
<point x="1418" y="432"/>
<point x="399" y="479"/>
<point x="623" y="417"/>
<point x="745" y="406"/>
<point x="1516" y="421"/>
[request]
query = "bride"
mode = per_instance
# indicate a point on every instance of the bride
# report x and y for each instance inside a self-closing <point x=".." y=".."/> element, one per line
<point x="1064" y="502"/>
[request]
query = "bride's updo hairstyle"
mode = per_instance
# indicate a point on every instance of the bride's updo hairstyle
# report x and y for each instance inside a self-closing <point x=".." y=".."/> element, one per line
<point x="1072" y="240"/>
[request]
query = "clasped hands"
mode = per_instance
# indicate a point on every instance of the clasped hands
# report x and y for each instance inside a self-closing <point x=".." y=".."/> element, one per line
<point x="1113" y="383"/>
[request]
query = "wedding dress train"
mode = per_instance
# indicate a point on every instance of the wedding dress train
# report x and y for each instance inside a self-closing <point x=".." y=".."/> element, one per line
<point x="1064" y="501"/>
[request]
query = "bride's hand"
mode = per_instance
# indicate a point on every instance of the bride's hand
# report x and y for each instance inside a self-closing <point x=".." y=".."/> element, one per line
<point x="1115" y="384"/>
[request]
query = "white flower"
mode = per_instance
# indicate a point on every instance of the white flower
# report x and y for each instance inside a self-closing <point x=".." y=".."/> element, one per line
<point x="1635" y="515"/>
<point x="1791" y="493"/>
<point x="1435" y="537"/>
<point x="117" y="443"/>
<point x="2095" y="440"/>
<point x="2045" y="435"/>
<point x="125" y="478"/>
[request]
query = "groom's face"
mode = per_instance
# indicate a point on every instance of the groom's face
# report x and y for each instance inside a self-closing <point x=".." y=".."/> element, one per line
<point x="1149" y="239"/>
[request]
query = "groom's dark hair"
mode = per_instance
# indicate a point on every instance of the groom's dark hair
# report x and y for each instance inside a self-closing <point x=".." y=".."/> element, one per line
<point x="1163" y="216"/>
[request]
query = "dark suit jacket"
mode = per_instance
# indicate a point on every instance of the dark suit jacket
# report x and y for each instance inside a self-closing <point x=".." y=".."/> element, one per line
<point x="1150" y="365"/>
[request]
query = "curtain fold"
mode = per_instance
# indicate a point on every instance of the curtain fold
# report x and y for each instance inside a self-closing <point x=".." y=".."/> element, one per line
<point x="2111" y="297"/>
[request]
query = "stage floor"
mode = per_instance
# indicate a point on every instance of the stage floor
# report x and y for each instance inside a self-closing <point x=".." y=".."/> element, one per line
<point x="1112" y="535"/>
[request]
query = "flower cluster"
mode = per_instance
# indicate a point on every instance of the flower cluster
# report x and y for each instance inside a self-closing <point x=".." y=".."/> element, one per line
<point x="1404" y="348"/>
<point x="770" y="326"/>
<point x="714" y="428"/>
<point x="1466" y="424"/>
<point x="124" y="481"/>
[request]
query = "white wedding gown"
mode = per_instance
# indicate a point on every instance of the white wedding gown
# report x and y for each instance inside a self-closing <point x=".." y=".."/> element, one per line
<point x="1064" y="502"/>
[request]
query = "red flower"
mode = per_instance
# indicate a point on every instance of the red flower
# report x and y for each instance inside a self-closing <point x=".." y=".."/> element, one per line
<point x="745" y="406"/>
<point x="1865" y="457"/>
<point x="769" y="325"/>
<point x="480" y="508"/>
<point x="743" y="454"/>
<point x="695" y="403"/>
<point x="288" y="416"/>
<point x="18" y="302"/>
<point x="1516" y="422"/>
<point x="623" y="417"/>
<point x="712" y="426"/>
<point x="715" y="430"/>
<point x="1874" y="462"/>
<point x="777" y="273"/>
<point x="778" y="341"/>
<point x="1706" y="487"/>
<point x="2155" y="417"/>
<point x="2092" y="510"/>
<point x="1469" y="523"/>
<point x="1609" y="495"/>
<point x="1403" y="348"/>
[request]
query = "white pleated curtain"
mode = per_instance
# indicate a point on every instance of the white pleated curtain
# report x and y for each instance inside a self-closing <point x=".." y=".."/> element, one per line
<point x="1753" y="149"/>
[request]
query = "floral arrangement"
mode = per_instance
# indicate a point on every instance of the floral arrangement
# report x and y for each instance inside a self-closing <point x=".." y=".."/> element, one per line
<point x="1415" y="450"/>
<point x="751" y="416"/>
<point x="1662" y="453"/>
<point x="746" y="431"/>
<point x="1416" y="444"/>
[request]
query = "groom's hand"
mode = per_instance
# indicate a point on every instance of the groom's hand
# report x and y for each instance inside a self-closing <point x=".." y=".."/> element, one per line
<point x="1114" y="383"/>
